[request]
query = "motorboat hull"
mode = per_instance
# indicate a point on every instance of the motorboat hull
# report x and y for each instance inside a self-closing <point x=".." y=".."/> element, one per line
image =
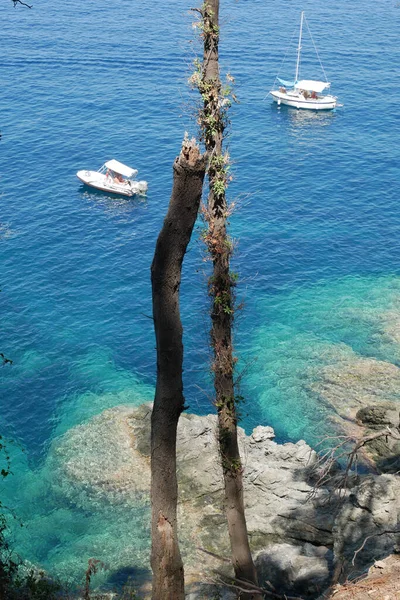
<point x="102" y="182"/>
<point x="297" y="100"/>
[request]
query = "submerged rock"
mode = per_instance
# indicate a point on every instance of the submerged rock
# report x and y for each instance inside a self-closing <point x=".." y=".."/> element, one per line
<point x="354" y="384"/>
<point x="385" y="450"/>
<point x="364" y="394"/>
<point x="100" y="461"/>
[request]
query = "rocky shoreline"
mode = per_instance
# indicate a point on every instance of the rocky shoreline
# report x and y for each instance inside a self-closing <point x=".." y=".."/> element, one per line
<point x="300" y="536"/>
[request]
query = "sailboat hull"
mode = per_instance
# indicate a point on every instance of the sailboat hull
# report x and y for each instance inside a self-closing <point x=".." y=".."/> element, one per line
<point x="297" y="100"/>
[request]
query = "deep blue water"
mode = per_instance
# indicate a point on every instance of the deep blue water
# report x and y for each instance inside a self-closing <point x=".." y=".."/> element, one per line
<point x="317" y="221"/>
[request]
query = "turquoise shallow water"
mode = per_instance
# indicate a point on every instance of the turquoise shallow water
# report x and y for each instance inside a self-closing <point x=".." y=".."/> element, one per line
<point x="317" y="227"/>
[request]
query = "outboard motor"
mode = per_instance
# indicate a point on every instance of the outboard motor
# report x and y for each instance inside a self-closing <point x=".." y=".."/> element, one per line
<point x="142" y="186"/>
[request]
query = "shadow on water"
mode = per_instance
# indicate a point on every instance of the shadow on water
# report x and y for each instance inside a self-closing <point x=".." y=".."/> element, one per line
<point x="135" y="576"/>
<point x="298" y="118"/>
<point x="113" y="202"/>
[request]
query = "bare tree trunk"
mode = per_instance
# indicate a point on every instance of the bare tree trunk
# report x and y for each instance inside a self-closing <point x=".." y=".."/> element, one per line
<point x="213" y="122"/>
<point x="166" y="562"/>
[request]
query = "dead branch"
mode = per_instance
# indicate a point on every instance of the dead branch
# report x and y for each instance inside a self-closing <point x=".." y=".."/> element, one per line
<point x="94" y="565"/>
<point x="237" y="584"/>
<point x="221" y="558"/>
<point x="332" y="456"/>
<point x="373" y="535"/>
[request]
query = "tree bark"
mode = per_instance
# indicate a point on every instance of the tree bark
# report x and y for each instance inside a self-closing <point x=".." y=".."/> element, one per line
<point x="213" y="123"/>
<point x="166" y="562"/>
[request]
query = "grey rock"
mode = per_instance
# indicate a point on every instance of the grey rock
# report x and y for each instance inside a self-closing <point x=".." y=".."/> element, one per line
<point x="378" y="417"/>
<point x="261" y="434"/>
<point x="300" y="570"/>
<point x="385" y="451"/>
<point x="367" y="526"/>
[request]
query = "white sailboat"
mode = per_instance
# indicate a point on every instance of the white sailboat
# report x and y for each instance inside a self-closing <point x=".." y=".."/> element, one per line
<point x="304" y="93"/>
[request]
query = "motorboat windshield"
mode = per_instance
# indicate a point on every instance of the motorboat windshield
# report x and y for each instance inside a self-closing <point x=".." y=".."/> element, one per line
<point x="115" y="167"/>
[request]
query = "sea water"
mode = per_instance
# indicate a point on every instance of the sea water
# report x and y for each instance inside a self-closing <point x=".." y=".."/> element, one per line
<point x="316" y="226"/>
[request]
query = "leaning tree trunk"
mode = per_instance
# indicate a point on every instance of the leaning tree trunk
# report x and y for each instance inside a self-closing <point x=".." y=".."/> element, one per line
<point x="213" y="122"/>
<point x="166" y="562"/>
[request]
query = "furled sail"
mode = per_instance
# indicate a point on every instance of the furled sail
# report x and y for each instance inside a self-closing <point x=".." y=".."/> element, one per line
<point x="288" y="84"/>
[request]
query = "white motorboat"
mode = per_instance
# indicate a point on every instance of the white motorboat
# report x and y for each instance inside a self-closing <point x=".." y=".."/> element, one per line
<point x="114" y="177"/>
<point x="304" y="93"/>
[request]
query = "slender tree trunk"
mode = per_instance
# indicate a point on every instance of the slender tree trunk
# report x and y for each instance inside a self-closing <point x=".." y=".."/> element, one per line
<point x="213" y="122"/>
<point x="166" y="562"/>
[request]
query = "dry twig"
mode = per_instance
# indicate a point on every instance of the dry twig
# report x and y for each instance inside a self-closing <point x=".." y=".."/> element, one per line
<point x="373" y="535"/>
<point x="247" y="586"/>
<point x="332" y="456"/>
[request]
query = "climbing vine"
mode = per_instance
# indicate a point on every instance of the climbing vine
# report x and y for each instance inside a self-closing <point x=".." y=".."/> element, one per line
<point x="213" y="121"/>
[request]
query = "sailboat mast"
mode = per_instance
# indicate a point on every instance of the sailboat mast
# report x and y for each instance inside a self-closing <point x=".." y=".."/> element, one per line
<point x="299" y="48"/>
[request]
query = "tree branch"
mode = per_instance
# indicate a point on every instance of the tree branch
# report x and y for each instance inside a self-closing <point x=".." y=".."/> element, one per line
<point x="331" y="456"/>
<point x="238" y="584"/>
<point x="221" y="558"/>
<point x="373" y="535"/>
